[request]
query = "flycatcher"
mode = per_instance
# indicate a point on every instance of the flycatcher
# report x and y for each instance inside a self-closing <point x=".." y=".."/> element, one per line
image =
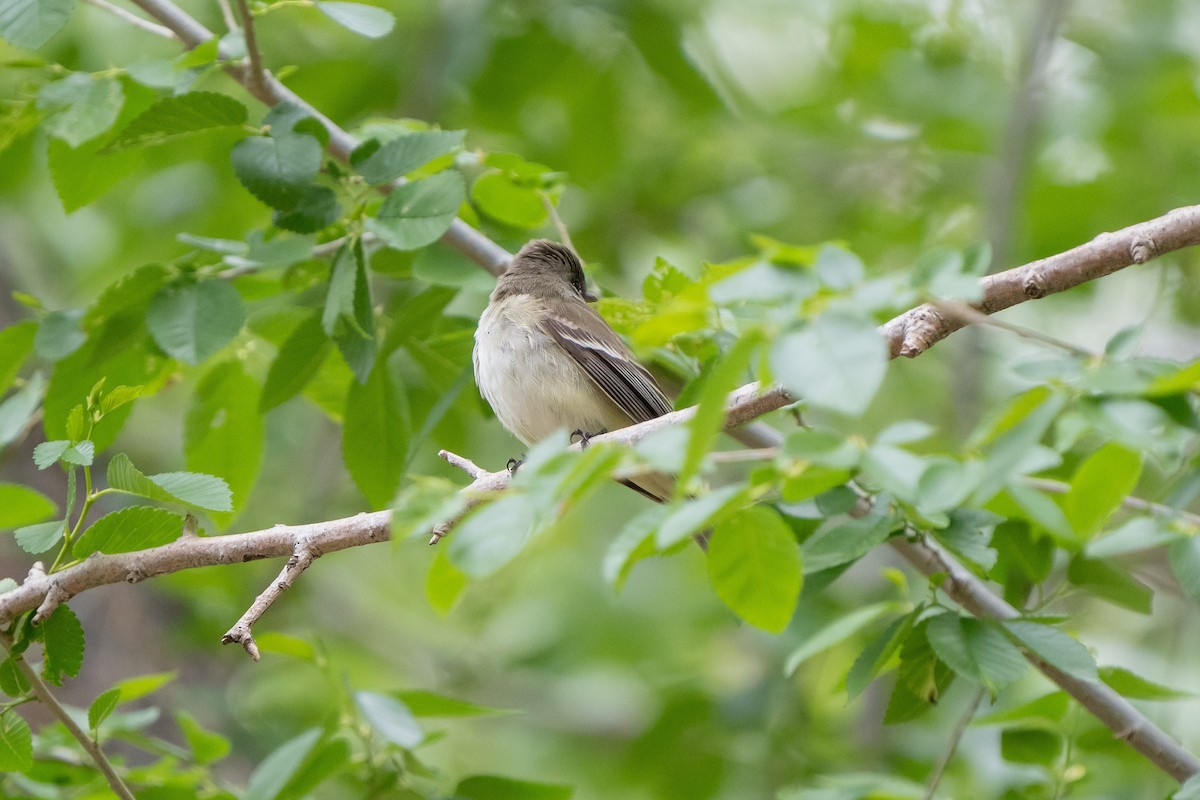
<point x="544" y="359"/>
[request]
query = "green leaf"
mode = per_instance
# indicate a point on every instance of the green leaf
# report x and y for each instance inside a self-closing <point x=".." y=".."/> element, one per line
<point x="206" y="746"/>
<point x="1105" y="479"/>
<point x="16" y="411"/>
<point x="1049" y="707"/>
<point x="362" y="19"/>
<point x="223" y="433"/>
<point x="384" y="163"/>
<point x="1055" y="647"/>
<point x="1184" y="555"/>
<point x="842" y="541"/>
<point x="876" y="656"/>
<point x="1135" y="687"/>
<point x="836" y="632"/>
<point x="691" y="516"/>
<point x="836" y="363"/>
<point x="277" y="169"/>
<point x="102" y="706"/>
<point x="418" y="213"/>
<point x="59" y="334"/>
<point x="494" y="787"/>
<point x="201" y="491"/>
<point x="179" y="115"/>
<point x="977" y="650"/>
<point x="375" y="436"/>
<point x="80" y="107"/>
<point x="492" y="535"/>
<point x="192" y="321"/>
<point x="138" y="687"/>
<point x="16" y="343"/>
<point x="709" y="419"/>
<point x="16" y="741"/>
<point x="423" y="703"/>
<point x="1030" y="746"/>
<point x="299" y="358"/>
<point x="349" y="316"/>
<point x="316" y="209"/>
<point x="507" y="200"/>
<point x="390" y="718"/>
<point x="754" y="567"/>
<point x="29" y="24"/>
<point x="634" y="543"/>
<point x="276" y="770"/>
<point x="21" y="506"/>
<point x="41" y="537"/>
<point x="62" y="637"/>
<point x="129" y="529"/>
<point x="284" y="644"/>
<point x="838" y="268"/>
<point x="1190" y="790"/>
<point x="1107" y="581"/>
<point x="444" y="583"/>
<point x="921" y="678"/>
<point x="12" y="681"/>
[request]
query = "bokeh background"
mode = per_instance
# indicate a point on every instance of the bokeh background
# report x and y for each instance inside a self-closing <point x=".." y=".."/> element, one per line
<point x="682" y="128"/>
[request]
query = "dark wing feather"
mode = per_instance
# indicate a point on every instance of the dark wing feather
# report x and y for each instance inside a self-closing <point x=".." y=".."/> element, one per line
<point x="586" y="337"/>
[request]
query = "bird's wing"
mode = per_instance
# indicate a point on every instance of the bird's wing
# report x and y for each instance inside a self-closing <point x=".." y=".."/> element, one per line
<point x="598" y="350"/>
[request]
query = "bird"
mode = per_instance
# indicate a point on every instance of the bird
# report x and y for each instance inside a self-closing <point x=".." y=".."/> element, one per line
<point x="546" y="360"/>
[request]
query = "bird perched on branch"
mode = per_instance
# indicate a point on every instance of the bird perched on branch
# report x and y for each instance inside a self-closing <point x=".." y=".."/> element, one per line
<point x="544" y="359"/>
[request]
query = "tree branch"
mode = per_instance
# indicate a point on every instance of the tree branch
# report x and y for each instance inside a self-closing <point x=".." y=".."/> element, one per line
<point x="304" y="553"/>
<point x="134" y="19"/>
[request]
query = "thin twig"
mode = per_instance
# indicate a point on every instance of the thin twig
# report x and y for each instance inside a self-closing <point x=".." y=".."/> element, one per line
<point x="1130" y="502"/>
<point x="952" y="746"/>
<point x="257" y="74"/>
<point x="303" y="554"/>
<point x="47" y="698"/>
<point x="134" y="19"/>
<point x="563" y="234"/>
<point x="465" y="464"/>
<point x="227" y="15"/>
<point x="954" y="308"/>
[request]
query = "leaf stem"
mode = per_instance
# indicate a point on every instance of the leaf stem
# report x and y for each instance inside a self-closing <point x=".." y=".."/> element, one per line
<point x="47" y="698"/>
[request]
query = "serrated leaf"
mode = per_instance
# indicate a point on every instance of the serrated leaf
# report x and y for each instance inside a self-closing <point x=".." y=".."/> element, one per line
<point x="206" y="746"/>
<point x="80" y="454"/>
<point x="129" y="529"/>
<point x="977" y="650"/>
<point x="363" y="19"/>
<point x="837" y="362"/>
<point x="390" y="718"/>
<point x="119" y="396"/>
<point x="299" y="358"/>
<point x="21" y="506"/>
<point x="836" y="632"/>
<point x="277" y="169"/>
<point x="1100" y="484"/>
<point x="102" y="706"/>
<point x="495" y="787"/>
<point x="223" y="431"/>
<point x="375" y="436"/>
<point x="348" y="316"/>
<point x="41" y="537"/>
<point x="80" y="107"/>
<point x="201" y="491"/>
<point x="418" y="213"/>
<point x="383" y="163"/>
<point x="47" y="453"/>
<point x="29" y="24"/>
<point x="16" y="743"/>
<point x="277" y="769"/>
<point x="317" y="208"/>
<point x="12" y="681"/>
<point x="193" y="321"/>
<point x="1055" y="647"/>
<point x="179" y="115"/>
<point x="754" y="567"/>
<point x="62" y="639"/>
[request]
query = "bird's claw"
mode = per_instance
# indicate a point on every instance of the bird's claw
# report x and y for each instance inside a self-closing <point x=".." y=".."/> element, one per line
<point x="513" y="465"/>
<point x="584" y="436"/>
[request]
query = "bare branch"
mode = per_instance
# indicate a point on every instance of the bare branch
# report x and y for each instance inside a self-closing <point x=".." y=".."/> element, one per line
<point x="302" y="557"/>
<point x="915" y="331"/>
<point x="955" y="738"/>
<point x="465" y="464"/>
<point x="134" y="19"/>
<point x="255" y="74"/>
<point x="970" y="314"/>
<point x="1130" y="502"/>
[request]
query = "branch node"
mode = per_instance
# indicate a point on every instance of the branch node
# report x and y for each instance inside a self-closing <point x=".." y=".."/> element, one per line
<point x="1142" y="248"/>
<point x="55" y="596"/>
<point x="36" y="572"/>
<point x="241" y="634"/>
<point x="465" y="464"/>
<point x="1035" y="287"/>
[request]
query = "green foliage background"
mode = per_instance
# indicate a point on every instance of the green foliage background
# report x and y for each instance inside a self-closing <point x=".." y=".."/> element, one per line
<point x="701" y="134"/>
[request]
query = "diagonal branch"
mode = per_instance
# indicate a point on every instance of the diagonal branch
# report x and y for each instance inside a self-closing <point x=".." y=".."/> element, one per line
<point x="303" y="555"/>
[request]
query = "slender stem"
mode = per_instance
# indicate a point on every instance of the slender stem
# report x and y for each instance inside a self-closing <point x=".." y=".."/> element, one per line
<point x="256" y="68"/>
<point x="1130" y="502"/>
<point x="134" y="19"/>
<point x="47" y="698"/>
<point x="952" y="746"/>
<point x="559" y="225"/>
<point x="968" y="313"/>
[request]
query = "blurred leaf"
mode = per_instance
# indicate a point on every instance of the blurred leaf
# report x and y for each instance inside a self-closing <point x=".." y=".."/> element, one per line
<point x="506" y="200"/>
<point x="29" y="24"/>
<point x="223" y="431"/>
<point x="1049" y="707"/>
<point x="838" y="268"/>
<point x="330" y="757"/>
<point x="836" y="363"/>
<point x="841" y="541"/>
<point x="363" y="19"/>
<point x="444" y="583"/>
<point x="206" y="746"/>
<point x="1030" y="746"/>
<point x="179" y="115"/>
<point x="493" y="787"/>
<point x="921" y="678"/>
<point x="62" y="637"/>
<point x="390" y="718"/>
<point x="316" y="208"/>
<point x="876" y="656"/>
<point x="375" y="436"/>
<point x="423" y="703"/>
<point x="976" y="650"/>
<point x="1100" y="484"/>
<point x="1190" y="790"/>
<point x="418" y="213"/>
<point x="16" y="411"/>
<point x="190" y="488"/>
<point x="635" y="542"/>
<point x="59" y="334"/>
<point x="1135" y="687"/>
<point x="21" y="506"/>
<point x="1107" y="581"/>
<point x="80" y="106"/>
<point x="192" y="321"/>
<point x="1055" y="647"/>
<point x="834" y="633"/>
<point x="272" y="775"/>
<point x="690" y="516"/>
<point x="284" y="644"/>
<point x="1139" y="533"/>
<point x="492" y="535"/>
<point x="129" y="529"/>
<point x="383" y="163"/>
<point x="754" y="567"/>
<point x="299" y="358"/>
<point x="16" y="741"/>
<point x="16" y="343"/>
<point x="104" y="704"/>
<point x="138" y="687"/>
<point x="1184" y="555"/>
<point x="706" y="425"/>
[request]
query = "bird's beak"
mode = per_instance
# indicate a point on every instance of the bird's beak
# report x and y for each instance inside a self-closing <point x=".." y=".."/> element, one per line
<point x="590" y="296"/>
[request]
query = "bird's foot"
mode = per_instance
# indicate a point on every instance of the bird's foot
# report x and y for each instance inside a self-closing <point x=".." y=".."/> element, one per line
<point x="584" y="436"/>
<point x="514" y="464"/>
